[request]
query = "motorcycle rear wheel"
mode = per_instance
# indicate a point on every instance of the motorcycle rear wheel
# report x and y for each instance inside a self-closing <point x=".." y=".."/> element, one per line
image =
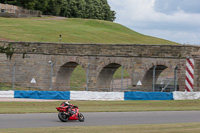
<point x="63" y="117"/>
<point x="81" y="117"/>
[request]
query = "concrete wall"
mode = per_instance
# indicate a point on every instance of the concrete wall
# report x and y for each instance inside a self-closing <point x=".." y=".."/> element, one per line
<point x="137" y="59"/>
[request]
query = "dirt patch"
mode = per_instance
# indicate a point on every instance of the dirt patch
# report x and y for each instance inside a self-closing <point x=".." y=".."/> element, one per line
<point x="4" y="39"/>
<point x="51" y="18"/>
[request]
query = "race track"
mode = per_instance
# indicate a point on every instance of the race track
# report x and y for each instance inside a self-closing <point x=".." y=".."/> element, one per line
<point x="102" y="118"/>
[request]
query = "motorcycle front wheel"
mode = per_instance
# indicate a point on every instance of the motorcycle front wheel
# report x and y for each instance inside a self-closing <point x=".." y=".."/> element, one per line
<point x="81" y="117"/>
<point x="63" y="117"/>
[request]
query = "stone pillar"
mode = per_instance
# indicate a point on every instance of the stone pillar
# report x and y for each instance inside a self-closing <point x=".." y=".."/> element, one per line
<point x="181" y="74"/>
<point x="92" y="72"/>
<point x="197" y="73"/>
<point x="137" y="73"/>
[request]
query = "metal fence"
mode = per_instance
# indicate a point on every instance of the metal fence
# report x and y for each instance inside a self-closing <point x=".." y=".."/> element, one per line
<point x="6" y="8"/>
<point x="19" y="78"/>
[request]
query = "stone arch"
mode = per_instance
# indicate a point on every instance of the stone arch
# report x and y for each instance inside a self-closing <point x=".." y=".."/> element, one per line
<point x="110" y="61"/>
<point x="158" y="63"/>
<point x="64" y="74"/>
<point x="106" y="70"/>
<point x="105" y="76"/>
<point x="147" y="79"/>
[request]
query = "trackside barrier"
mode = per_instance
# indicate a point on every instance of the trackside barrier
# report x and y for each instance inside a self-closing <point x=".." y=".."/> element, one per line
<point x="148" y="96"/>
<point x="65" y="95"/>
<point x="89" y="95"/>
<point x="6" y="94"/>
<point x="83" y="95"/>
<point x="186" y="95"/>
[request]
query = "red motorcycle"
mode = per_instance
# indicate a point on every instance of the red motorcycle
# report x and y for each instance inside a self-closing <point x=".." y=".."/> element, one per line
<point x="69" y="112"/>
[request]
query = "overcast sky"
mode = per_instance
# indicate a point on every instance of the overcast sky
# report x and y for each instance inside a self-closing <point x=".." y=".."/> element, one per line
<point x="174" y="20"/>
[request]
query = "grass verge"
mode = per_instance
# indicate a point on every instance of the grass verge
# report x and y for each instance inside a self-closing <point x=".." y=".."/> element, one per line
<point x="72" y="31"/>
<point x="101" y="106"/>
<point x="148" y="128"/>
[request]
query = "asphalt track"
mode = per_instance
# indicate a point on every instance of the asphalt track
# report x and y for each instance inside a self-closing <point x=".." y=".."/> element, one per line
<point x="96" y="119"/>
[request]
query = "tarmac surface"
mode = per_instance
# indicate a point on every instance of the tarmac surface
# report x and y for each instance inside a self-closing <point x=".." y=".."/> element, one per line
<point x="94" y="119"/>
<point x="98" y="119"/>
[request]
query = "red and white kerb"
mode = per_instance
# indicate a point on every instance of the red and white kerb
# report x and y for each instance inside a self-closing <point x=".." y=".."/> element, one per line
<point x="189" y="81"/>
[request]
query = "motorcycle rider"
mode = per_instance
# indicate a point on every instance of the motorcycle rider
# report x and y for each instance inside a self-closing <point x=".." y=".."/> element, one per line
<point x="69" y="109"/>
<point x="66" y="103"/>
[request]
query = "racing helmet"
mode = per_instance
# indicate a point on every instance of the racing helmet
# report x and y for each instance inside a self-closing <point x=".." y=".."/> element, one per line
<point x="67" y="102"/>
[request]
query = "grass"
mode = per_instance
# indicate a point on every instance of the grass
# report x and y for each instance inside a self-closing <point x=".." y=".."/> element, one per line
<point x="148" y="128"/>
<point x="118" y="73"/>
<point x="78" y="78"/>
<point x="101" y="106"/>
<point x="72" y="31"/>
<point x="89" y="31"/>
<point x="8" y="86"/>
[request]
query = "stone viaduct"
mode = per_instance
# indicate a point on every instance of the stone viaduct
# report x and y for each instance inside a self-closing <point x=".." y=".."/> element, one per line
<point x="100" y="60"/>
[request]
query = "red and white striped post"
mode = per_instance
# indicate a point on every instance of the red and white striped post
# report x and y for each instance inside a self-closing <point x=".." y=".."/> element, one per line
<point x="189" y="81"/>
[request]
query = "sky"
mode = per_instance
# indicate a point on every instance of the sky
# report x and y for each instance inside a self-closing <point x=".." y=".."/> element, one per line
<point x="174" y="20"/>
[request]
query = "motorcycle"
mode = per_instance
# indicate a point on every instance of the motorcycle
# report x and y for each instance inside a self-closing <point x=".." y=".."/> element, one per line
<point x="69" y="112"/>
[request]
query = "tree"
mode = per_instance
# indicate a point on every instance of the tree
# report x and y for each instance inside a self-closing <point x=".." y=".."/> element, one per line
<point x="91" y="9"/>
<point x="11" y="2"/>
<point x="28" y="4"/>
<point x="108" y="13"/>
<point x="42" y="5"/>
